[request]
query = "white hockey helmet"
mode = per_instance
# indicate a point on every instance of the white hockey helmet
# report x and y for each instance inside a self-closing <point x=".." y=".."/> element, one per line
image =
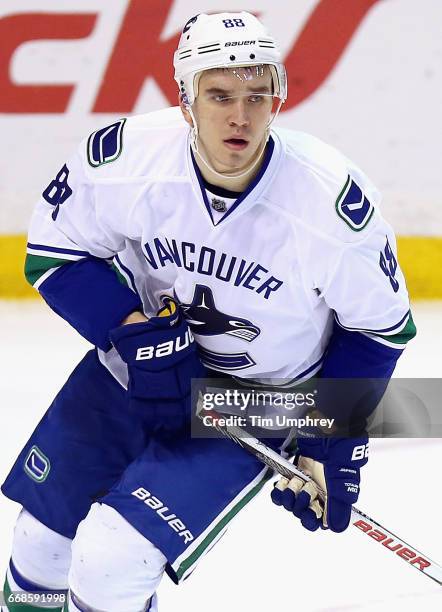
<point x="225" y="40"/>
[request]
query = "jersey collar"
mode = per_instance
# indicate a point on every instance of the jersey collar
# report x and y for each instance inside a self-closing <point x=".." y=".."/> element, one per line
<point x="250" y="195"/>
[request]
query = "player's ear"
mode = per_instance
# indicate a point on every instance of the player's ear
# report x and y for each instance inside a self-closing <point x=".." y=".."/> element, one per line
<point x="184" y="106"/>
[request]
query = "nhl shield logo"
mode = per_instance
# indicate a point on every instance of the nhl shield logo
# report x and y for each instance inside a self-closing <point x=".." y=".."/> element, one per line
<point x="219" y="205"/>
<point x="353" y="206"/>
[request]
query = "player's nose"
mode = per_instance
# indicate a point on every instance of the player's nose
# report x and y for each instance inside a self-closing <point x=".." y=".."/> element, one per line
<point x="239" y="115"/>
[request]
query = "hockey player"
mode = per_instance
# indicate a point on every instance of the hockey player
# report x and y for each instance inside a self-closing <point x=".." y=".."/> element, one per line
<point x="273" y="247"/>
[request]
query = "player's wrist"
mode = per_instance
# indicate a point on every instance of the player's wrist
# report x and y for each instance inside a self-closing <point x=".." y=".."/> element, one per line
<point x="134" y="317"/>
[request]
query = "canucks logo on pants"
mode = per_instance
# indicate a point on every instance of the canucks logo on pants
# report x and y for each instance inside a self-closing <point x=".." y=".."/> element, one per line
<point x="37" y="465"/>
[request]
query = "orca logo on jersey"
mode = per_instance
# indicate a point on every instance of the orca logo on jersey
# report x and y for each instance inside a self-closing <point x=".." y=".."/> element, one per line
<point x="353" y="206"/>
<point x="205" y="319"/>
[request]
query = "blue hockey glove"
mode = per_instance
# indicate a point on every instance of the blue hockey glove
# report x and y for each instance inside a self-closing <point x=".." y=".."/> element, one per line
<point x="334" y="464"/>
<point x="162" y="360"/>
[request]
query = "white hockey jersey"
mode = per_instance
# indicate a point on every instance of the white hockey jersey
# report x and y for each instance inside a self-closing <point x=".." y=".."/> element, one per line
<point x="260" y="285"/>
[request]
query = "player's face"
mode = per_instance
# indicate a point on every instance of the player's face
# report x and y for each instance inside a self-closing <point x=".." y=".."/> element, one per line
<point x="232" y="111"/>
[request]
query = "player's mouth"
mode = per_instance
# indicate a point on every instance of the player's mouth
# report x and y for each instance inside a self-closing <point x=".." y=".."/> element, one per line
<point x="236" y="144"/>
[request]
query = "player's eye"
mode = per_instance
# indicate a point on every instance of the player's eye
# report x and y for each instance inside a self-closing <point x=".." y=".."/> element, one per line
<point x="255" y="99"/>
<point x="221" y="98"/>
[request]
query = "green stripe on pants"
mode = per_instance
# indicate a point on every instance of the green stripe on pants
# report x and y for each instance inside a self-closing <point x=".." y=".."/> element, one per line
<point x="193" y="557"/>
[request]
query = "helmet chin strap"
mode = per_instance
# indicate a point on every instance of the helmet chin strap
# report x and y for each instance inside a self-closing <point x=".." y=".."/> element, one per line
<point x="227" y="175"/>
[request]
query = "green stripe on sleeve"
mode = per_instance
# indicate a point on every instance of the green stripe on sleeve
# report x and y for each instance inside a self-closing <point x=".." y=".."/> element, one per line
<point x="120" y="277"/>
<point x="37" y="265"/>
<point x="404" y="335"/>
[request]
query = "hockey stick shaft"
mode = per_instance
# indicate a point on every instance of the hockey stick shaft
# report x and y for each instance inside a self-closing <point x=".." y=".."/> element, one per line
<point x="359" y="520"/>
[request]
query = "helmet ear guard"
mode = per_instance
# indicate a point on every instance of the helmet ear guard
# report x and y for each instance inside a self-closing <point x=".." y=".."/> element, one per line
<point x="225" y="40"/>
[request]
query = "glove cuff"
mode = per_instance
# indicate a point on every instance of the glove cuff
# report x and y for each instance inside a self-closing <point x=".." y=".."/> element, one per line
<point x="136" y="329"/>
<point x="334" y="451"/>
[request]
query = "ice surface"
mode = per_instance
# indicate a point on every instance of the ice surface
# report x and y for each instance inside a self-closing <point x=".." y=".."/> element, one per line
<point x="266" y="562"/>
